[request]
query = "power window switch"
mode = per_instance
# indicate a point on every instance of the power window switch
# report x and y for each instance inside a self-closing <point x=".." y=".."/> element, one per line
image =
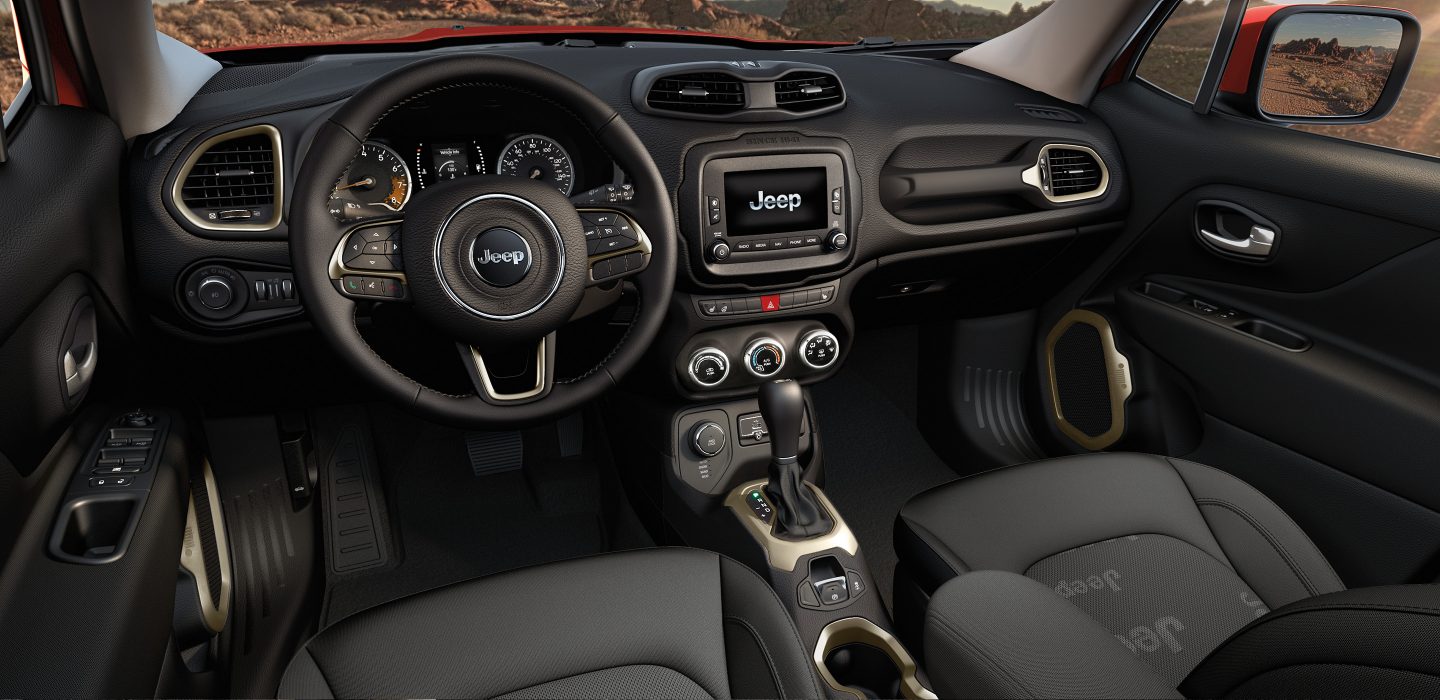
<point x="102" y="471"/>
<point x="107" y="482"/>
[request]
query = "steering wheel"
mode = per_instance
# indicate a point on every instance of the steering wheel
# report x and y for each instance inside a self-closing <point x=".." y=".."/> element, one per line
<point x="498" y="263"/>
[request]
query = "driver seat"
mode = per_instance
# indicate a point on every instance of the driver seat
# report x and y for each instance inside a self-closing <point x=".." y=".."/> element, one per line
<point x="654" y="623"/>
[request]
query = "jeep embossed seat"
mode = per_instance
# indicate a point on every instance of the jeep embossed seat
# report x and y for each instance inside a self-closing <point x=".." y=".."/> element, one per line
<point x="1128" y="575"/>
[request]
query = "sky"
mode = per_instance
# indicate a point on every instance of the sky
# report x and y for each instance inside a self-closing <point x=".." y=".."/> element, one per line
<point x="1351" y="30"/>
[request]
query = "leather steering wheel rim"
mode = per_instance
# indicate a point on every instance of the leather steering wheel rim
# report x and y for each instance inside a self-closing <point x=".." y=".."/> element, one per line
<point x="314" y="233"/>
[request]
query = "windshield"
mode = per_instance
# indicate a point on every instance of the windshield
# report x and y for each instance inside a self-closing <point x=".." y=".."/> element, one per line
<point x="220" y="24"/>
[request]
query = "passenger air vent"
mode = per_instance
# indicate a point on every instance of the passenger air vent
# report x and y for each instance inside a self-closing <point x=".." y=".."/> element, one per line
<point x="1068" y="173"/>
<point x="805" y="92"/>
<point x="698" y="93"/>
<point x="1053" y="114"/>
<point x="232" y="181"/>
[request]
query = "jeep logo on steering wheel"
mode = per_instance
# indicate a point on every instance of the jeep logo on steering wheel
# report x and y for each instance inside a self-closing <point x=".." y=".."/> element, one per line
<point x="500" y="257"/>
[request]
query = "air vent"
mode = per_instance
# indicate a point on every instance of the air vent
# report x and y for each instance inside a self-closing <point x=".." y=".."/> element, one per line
<point x="1073" y="171"/>
<point x="697" y="93"/>
<point x="232" y="181"/>
<point x="1049" y="113"/>
<point x="1068" y="173"/>
<point x="804" y="92"/>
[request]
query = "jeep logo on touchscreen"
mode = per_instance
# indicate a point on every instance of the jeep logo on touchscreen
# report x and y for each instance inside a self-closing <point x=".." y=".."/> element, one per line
<point x="784" y="200"/>
<point x="775" y="201"/>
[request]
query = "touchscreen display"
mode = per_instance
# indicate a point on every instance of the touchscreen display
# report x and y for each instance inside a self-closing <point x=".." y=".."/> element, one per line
<point x="775" y="201"/>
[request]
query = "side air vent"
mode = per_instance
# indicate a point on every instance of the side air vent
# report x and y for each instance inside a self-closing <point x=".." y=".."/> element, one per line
<point x="805" y="92"/>
<point x="232" y="182"/>
<point x="1053" y="114"/>
<point x="1068" y="173"/>
<point x="697" y="93"/>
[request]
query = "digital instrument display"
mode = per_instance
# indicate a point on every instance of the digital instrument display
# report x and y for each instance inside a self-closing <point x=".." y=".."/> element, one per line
<point x="759" y="202"/>
<point x="451" y="160"/>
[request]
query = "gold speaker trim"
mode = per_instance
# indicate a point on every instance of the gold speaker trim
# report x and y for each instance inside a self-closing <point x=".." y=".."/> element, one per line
<point x="784" y="554"/>
<point x="192" y="557"/>
<point x="858" y="630"/>
<point x="1117" y="374"/>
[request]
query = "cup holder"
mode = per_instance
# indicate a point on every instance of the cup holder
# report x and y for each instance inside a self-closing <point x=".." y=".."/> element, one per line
<point x="856" y="655"/>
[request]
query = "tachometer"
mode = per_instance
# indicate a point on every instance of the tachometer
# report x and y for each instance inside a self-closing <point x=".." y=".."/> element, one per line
<point x="376" y="182"/>
<point x="538" y="158"/>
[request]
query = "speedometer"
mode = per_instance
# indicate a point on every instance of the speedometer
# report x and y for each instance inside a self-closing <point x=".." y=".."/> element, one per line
<point x="377" y="182"/>
<point x="538" y="158"/>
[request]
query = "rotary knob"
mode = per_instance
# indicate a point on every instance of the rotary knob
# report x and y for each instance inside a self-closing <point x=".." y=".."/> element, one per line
<point x="765" y="357"/>
<point x="720" y="251"/>
<point x="837" y="240"/>
<point x="215" y="292"/>
<point x="819" y="348"/>
<point x="709" y="367"/>
<point x="708" y="439"/>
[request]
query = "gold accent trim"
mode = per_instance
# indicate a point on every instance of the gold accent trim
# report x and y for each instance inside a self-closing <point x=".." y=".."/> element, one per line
<point x="192" y="557"/>
<point x="540" y="368"/>
<point x="1031" y="175"/>
<point x="1117" y="375"/>
<point x="785" y="554"/>
<point x="858" y="630"/>
<point x="176" y="189"/>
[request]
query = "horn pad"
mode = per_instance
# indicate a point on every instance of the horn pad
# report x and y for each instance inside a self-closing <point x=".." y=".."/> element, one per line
<point x="495" y="261"/>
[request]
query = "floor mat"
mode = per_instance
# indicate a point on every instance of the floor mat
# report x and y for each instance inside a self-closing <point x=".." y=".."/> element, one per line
<point x="875" y="456"/>
<point x="452" y="525"/>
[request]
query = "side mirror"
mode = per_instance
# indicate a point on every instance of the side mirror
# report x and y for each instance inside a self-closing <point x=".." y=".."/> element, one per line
<point x="1328" y="64"/>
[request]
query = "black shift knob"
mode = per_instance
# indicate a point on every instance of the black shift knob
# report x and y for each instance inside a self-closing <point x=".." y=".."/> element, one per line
<point x="782" y="404"/>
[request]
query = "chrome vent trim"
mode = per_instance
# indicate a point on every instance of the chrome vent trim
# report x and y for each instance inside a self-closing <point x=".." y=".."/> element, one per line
<point x="1066" y="173"/>
<point x="243" y="176"/>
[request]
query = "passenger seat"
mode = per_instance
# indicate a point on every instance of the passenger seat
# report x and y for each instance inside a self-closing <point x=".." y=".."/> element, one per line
<point x="1129" y="575"/>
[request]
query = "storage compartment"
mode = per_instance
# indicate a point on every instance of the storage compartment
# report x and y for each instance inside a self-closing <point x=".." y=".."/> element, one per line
<point x="856" y="654"/>
<point x="96" y="529"/>
<point x="1169" y="295"/>
<point x="1273" y="334"/>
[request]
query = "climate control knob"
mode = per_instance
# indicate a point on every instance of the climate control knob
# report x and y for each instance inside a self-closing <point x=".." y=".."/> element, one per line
<point x="765" y="357"/>
<point x="818" y="349"/>
<point x="215" y="292"/>
<point x="708" y="439"/>
<point x="709" y="367"/>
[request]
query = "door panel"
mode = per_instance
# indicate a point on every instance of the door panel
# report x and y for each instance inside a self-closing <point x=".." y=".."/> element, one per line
<point x="1323" y="389"/>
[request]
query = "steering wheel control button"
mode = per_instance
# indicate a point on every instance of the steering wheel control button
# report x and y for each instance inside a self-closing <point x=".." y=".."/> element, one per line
<point x="765" y="357"/>
<point x="501" y="257"/>
<point x="709" y="367"/>
<point x="372" y="287"/>
<point x="708" y="439"/>
<point x="818" y="349"/>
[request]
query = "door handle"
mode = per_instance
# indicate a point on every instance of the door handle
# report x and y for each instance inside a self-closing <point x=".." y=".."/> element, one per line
<point x="78" y="372"/>
<point x="1258" y="244"/>
<point x="1234" y="231"/>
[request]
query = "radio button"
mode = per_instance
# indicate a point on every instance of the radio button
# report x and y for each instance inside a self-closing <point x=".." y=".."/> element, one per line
<point x="778" y="243"/>
<point x="812" y="240"/>
<point x="794" y="242"/>
<point x="762" y="245"/>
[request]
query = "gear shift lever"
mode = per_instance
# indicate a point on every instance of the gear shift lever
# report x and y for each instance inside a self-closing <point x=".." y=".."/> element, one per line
<point x="798" y="514"/>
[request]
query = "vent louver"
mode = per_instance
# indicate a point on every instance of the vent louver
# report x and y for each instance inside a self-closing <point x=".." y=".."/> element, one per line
<point x="803" y="92"/>
<point x="698" y="93"/>
<point x="1053" y="114"/>
<point x="1073" y="172"/>
<point x="232" y="181"/>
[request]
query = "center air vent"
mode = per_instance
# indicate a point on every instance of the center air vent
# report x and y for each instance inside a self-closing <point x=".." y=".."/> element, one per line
<point x="1066" y="173"/>
<point x="232" y="181"/>
<point x="698" y="93"/>
<point x="741" y="90"/>
<point x="805" y="92"/>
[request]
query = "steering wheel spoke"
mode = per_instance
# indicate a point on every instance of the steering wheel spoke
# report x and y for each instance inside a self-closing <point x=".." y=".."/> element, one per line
<point x="512" y="375"/>
<point x="616" y="246"/>
<point x="367" y="264"/>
